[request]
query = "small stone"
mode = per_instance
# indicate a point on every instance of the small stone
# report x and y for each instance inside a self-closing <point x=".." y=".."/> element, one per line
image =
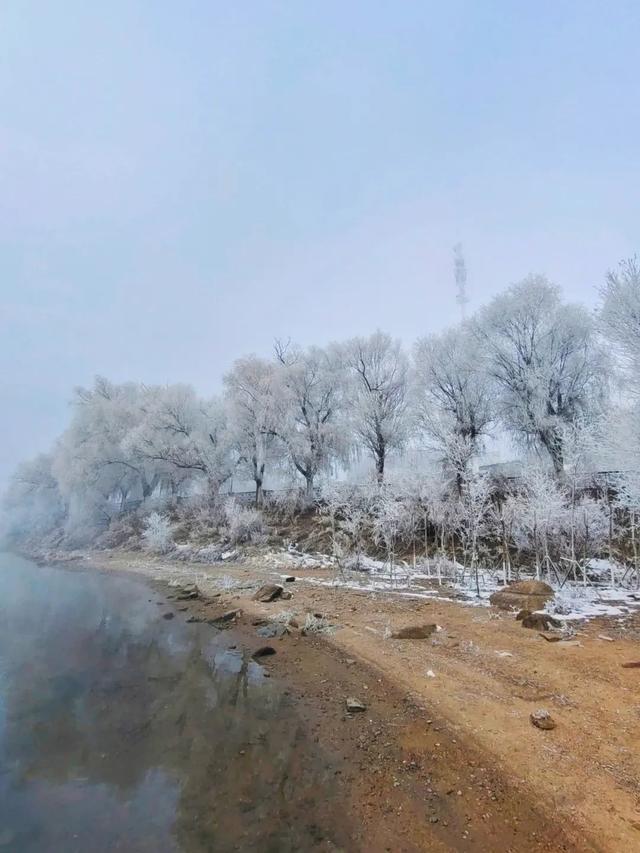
<point x="542" y="719"/>
<point x="168" y="615"/>
<point x="226" y="619"/>
<point x="273" y="630"/>
<point x="230" y="615"/>
<point x="414" y="632"/>
<point x="353" y="705"/>
<point x="550" y="638"/>
<point x="188" y="592"/>
<point x="290" y="579"/>
<point x="264" y="651"/>
<point x="540" y="622"/>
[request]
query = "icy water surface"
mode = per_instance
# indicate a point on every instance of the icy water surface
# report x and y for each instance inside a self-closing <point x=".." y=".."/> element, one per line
<point x="120" y="730"/>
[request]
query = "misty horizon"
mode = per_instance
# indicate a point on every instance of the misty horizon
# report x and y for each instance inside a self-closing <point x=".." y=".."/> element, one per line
<point x="182" y="187"/>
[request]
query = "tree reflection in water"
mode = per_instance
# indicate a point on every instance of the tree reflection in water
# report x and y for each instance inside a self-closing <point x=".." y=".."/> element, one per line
<point x="120" y="730"/>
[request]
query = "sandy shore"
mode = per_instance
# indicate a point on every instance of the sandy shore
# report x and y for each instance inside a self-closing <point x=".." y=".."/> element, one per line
<point x="447" y="757"/>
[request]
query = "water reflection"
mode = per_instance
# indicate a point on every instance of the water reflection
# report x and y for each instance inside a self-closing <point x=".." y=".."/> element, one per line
<point x="123" y="731"/>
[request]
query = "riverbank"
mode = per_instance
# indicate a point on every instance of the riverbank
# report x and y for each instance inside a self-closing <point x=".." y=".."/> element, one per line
<point x="464" y="696"/>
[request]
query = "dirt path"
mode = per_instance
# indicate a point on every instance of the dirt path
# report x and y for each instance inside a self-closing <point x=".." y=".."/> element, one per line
<point x="451" y="761"/>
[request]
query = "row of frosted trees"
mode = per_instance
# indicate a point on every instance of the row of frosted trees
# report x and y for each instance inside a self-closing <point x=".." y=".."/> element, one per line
<point x="528" y="365"/>
<point x="553" y="528"/>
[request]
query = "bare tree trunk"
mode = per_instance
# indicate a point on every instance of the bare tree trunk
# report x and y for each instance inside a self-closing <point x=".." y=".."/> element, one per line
<point x="474" y="563"/>
<point x="613" y="579"/>
<point x="634" y="545"/>
<point x="258" y="476"/>
<point x="309" y="487"/>
<point x="573" y="529"/>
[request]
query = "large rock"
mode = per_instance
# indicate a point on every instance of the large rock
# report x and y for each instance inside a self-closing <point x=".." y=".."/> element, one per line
<point x="523" y="595"/>
<point x="268" y="592"/>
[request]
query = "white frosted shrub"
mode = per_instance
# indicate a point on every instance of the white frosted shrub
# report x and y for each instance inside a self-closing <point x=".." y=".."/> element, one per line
<point x="243" y="525"/>
<point x="158" y="533"/>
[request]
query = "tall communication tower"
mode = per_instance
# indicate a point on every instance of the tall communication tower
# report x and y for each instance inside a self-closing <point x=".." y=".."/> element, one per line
<point x="460" y="273"/>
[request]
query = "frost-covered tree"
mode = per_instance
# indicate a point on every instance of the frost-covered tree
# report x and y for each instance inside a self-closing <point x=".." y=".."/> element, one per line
<point x="627" y="498"/>
<point x="473" y="516"/>
<point x="348" y="508"/>
<point x="540" y="519"/>
<point x="588" y="529"/>
<point x="620" y="315"/>
<point x="94" y="449"/>
<point x="580" y="443"/>
<point x="308" y="396"/>
<point x="454" y="404"/>
<point x="187" y="433"/>
<point x="378" y="370"/>
<point x="546" y="362"/>
<point x="33" y="503"/>
<point x="392" y="524"/>
<point x="503" y="514"/>
<point x="250" y="386"/>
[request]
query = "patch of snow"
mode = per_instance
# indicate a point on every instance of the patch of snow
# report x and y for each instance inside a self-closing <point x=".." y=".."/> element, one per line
<point x="579" y="602"/>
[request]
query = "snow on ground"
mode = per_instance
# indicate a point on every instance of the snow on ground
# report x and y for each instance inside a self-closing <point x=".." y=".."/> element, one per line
<point x="578" y="602"/>
<point x="572" y="602"/>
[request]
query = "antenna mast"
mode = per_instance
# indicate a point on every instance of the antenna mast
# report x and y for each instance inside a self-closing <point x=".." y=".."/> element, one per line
<point x="460" y="274"/>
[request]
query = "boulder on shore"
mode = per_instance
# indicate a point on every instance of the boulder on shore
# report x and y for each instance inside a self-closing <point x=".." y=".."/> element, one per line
<point x="188" y="592"/>
<point x="268" y="592"/>
<point x="523" y="595"/>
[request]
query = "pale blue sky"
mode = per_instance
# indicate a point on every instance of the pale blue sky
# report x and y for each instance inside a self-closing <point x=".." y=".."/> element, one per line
<point x="182" y="182"/>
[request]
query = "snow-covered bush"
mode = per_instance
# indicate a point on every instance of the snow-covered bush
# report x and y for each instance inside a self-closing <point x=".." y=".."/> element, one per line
<point x="157" y="533"/>
<point x="540" y="524"/>
<point x="348" y="509"/>
<point x="123" y="532"/>
<point x="286" y="504"/>
<point x="589" y="522"/>
<point x="317" y="625"/>
<point x="243" y="525"/>
<point x="198" y="520"/>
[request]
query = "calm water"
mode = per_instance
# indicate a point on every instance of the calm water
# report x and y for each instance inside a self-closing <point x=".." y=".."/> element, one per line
<point x="120" y="730"/>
